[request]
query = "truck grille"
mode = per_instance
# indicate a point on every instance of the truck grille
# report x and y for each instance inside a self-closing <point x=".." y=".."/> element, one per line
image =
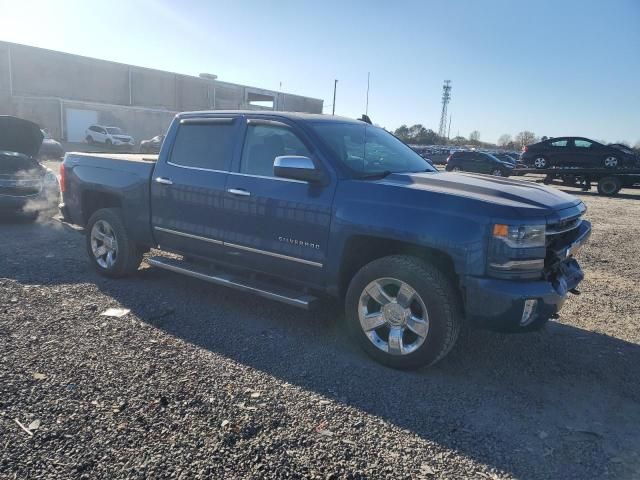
<point x="562" y="233"/>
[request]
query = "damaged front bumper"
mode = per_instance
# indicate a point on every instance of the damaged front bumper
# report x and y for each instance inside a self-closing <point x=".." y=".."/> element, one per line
<point x="519" y="305"/>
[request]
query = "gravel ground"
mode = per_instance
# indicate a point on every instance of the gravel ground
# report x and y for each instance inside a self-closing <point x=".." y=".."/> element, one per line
<point x="200" y="381"/>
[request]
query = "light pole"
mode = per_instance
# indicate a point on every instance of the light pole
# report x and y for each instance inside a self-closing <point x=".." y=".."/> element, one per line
<point x="335" y="85"/>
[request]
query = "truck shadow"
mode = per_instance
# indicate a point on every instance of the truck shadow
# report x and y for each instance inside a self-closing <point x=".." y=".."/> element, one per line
<point x="561" y="403"/>
<point x="555" y="404"/>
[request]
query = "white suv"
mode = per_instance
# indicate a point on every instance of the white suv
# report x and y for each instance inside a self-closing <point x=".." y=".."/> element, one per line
<point x="107" y="135"/>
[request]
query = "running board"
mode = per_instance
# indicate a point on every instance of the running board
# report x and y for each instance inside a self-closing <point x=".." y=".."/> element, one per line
<point x="208" y="274"/>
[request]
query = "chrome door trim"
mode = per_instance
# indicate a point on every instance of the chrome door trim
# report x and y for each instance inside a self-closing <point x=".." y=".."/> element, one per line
<point x="189" y="235"/>
<point x="239" y="247"/>
<point x="273" y="254"/>
<point x="200" y="169"/>
<point x="239" y="191"/>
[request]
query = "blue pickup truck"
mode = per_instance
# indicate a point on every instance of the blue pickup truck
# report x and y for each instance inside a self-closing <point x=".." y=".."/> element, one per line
<point x="295" y="207"/>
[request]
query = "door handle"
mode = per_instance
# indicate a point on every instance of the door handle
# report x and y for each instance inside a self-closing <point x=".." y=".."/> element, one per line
<point x="238" y="191"/>
<point x="163" y="181"/>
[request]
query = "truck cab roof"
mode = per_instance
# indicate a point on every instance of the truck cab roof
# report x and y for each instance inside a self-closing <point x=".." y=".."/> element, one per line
<point x="295" y="116"/>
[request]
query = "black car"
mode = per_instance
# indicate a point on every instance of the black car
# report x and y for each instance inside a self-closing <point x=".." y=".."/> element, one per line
<point x="576" y="152"/>
<point x="478" y="162"/>
<point x="50" y="148"/>
<point x="26" y="186"/>
<point x="152" y="145"/>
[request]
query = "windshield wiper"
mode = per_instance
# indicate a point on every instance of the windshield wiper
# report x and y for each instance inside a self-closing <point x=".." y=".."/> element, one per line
<point x="375" y="175"/>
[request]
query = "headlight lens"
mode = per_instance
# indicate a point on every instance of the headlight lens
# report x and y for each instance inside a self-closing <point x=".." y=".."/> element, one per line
<point x="520" y="236"/>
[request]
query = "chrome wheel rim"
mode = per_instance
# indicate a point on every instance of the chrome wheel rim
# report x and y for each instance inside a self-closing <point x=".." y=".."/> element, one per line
<point x="540" y="162"/>
<point x="104" y="244"/>
<point x="393" y="316"/>
<point x="611" y="162"/>
<point x="456" y="169"/>
<point x="497" y="173"/>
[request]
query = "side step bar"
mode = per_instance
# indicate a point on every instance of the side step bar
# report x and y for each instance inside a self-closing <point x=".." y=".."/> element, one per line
<point x="208" y="274"/>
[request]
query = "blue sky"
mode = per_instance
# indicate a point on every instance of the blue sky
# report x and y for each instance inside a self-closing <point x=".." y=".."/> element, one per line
<point x="554" y="67"/>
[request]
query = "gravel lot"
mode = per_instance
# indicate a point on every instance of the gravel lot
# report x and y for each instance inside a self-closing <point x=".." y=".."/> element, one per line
<point x="200" y="381"/>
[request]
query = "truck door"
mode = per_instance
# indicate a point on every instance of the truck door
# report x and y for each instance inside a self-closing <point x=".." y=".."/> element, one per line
<point x="188" y="186"/>
<point x="277" y="225"/>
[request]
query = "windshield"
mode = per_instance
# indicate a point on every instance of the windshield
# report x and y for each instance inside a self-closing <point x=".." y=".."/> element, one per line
<point x="368" y="151"/>
<point x="114" y="130"/>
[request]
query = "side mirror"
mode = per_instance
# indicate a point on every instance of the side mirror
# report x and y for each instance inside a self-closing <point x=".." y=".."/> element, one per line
<point x="296" y="168"/>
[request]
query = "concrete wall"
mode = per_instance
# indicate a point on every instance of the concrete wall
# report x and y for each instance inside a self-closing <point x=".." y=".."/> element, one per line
<point x="39" y="85"/>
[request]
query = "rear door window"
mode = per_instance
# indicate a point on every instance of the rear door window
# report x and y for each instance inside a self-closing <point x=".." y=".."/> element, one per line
<point x="582" y="143"/>
<point x="202" y="145"/>
<point x="559" y="143"/>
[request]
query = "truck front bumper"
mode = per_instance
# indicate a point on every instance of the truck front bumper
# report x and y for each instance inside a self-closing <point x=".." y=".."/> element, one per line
<point x="509" y="305"/>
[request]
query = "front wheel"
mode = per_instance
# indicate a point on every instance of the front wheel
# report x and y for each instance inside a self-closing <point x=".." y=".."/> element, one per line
<point x="540" y="162"/>
<point x="112" y="251"/>
<point x="610" y="162"/>
<point x="497" y="173"/>
<point x="609" y="186"/>
<point x="403" y="312"/>
<point x="456" y="169"/>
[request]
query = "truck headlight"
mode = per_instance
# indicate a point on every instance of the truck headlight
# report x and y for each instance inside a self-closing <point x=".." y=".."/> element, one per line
<point x="517" y="251"/>
<point x="520" y="236"/>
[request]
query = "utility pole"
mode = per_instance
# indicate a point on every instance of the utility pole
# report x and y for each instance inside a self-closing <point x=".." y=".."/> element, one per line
<point x="366" y="109"/>
<point x="446" y="96"/>
<point x="335" y="85"/>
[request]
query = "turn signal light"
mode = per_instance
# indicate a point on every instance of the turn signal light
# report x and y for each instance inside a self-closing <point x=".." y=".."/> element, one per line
<point x="500" y="230"/>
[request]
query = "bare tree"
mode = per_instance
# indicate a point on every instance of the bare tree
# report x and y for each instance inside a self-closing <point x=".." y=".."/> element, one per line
<point x="505" y="140"/>
<point x="474" y="137"/>
<point x="525" y="138"/>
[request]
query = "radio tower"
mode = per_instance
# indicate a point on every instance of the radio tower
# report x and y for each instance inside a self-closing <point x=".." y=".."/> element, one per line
<point x="446" y="96"/>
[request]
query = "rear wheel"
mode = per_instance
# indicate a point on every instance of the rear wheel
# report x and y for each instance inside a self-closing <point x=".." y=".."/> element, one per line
<point x="89" y="139"/>
<point x="609" y="186"/>
<point x="540" y="162"/>
<point x="497" y="173"/>
<point x="108" y="142"/>
<point x="457" y="169"/>
<point x="111" y="250"/>
<point x="403" y="312"/>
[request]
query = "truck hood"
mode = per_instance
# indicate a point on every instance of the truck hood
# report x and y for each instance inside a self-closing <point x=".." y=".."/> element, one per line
<point x="20" y="136"/>
<point x="496" y="190"/>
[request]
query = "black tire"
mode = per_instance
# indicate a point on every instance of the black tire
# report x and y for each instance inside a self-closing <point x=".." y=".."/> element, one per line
<point x="609" y="186"/>
<point x="90" y="140"/>
<point x="436" y="291"/>
<point x="497" y="172"/>
<point x="129" y="254"/>
<point x="108" y="142"/>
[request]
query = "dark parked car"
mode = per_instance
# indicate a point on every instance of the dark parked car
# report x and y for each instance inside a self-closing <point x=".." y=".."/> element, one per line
<point x="50" y="148"/>
<point x="576" y="152"/>
<point x="297" y="206"/>
<point x="478" y="162"/>
<point x="26" y="187"/>
<point x="152" y="145"/>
